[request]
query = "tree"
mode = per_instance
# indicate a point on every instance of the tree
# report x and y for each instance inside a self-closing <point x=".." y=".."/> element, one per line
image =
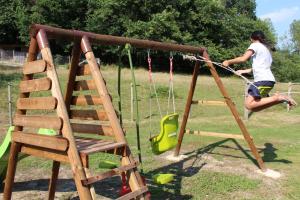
<point x="8" y="28"/>
<point x="60" y="13"/>
<point x="295" y="33"/>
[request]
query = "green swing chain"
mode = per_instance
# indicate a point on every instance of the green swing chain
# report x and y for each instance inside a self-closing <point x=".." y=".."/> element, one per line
<point x="137" y="120"/>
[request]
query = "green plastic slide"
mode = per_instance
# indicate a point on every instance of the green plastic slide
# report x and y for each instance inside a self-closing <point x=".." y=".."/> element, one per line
<point x="5" y="146"/>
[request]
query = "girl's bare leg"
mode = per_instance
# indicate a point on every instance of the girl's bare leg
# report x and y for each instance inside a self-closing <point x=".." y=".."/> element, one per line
<point x="256" y="105"/>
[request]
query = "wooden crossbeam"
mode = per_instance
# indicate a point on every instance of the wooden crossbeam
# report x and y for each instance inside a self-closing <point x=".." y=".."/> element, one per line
<point x="50" y="142"/>
<point x="38" y="103"/>
<point x="134" y="194"/>
<point x="209" y="102"/>
<point x="38" y="121"/>
<point x="108" y="174"/>
<point x="41" y="84"/>
<point x="215" y="134"/>
<point x="45" y="153"/>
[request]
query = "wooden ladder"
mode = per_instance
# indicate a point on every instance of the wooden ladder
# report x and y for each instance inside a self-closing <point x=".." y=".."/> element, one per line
<point x="86" y="109"/>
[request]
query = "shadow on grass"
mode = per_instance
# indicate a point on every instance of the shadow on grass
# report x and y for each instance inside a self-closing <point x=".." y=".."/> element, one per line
<point x="270" y="155"/>
<point x="188" y="167"/>
<point x="173" y="190"/>
<point x="268" y="151"/>
<point x="107" y="188"/>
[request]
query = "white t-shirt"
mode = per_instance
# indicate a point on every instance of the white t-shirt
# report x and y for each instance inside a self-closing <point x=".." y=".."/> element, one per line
<point x="261" y="62"/>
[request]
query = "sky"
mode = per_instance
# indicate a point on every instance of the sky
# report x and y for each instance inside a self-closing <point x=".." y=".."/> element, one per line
<point x="281" y="12"/>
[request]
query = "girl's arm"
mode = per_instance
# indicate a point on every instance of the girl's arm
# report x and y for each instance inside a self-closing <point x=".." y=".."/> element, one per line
<point x="239" y="59"/>
<point x="244" y="71"/>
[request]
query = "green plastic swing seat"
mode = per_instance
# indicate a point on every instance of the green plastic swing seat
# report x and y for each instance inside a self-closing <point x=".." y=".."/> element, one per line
<point x="167" y="139"/>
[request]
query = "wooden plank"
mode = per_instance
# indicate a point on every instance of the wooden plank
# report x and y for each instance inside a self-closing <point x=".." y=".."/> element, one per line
<point x="89" y="114"/>
<point x="50" y="142"/>
<point x="103" y="147"/>
<point x="41" y="84"/>
<point x="83" y="144"/>
<point x="38" y="121"/>
<point x="108" y="174"/>
<point x="92" y="128"/>
<point x="83" y="70"/>
<point x="134" y="194"/>
<point x="214" y="134"/>
<point x="39" y="103"/>
<point x="210" y="103"/>
<point x="34" y="67"/>
<point x="45" y="153"/>
<point x="84" y="100"/>
<point x="84" y="85"/>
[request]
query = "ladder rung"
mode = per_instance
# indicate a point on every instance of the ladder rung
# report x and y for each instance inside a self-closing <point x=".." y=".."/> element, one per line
<point x="41" y="84"/>
<point x="85" y="85"/>
<point x="92" y="128"/>
<point x="134" y="194"/>
<point x="83" y="70"/>
<point x="84" y="100"/>
<point x="39" y="103"/>
<point x="38" y="121"/>
<point x="34" y="67"/>
<point x="89" y="114"/>
<point x="50" y="142"/>
<point x="108" y="174"/>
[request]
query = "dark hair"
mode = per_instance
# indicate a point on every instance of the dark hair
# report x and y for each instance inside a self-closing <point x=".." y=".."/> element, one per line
<point x="260" y="36"/>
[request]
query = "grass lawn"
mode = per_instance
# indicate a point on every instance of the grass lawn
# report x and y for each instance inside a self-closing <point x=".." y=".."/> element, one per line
<point x="216" y="168"/>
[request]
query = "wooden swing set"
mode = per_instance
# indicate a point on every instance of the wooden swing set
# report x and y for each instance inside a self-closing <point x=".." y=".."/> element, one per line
<point x="86" y="108"/>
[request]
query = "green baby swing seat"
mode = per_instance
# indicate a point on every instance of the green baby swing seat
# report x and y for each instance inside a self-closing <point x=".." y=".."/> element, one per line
<point x="167" y="138"/>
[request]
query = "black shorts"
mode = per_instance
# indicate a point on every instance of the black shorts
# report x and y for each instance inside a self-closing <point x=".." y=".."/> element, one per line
<point x="261" y="90"/>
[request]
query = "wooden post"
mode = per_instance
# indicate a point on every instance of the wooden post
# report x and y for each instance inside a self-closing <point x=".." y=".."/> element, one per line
<point x="235" y="113"/>
<point x="11" y="170"/>
<point x="15" y="147"/>
<point x="135" y="180"/>
<point x="68" y="96"/>
<point x="187" y="107"/>
<point x="53" y="180"/>
<point x="75" y="161"/>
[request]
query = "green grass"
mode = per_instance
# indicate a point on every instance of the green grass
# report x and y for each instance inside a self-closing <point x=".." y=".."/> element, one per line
<point x="216" y="168"/>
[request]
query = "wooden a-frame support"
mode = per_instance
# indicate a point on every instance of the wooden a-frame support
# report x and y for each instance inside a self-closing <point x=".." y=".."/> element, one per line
<point x="66" y="146"/>
<point x="229" y="103"/>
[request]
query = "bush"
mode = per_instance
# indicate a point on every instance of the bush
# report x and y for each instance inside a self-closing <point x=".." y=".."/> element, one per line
<point x="286" y="66"/>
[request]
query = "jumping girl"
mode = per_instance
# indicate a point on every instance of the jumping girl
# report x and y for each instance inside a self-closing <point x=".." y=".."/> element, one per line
<point x="258" y="94"/>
